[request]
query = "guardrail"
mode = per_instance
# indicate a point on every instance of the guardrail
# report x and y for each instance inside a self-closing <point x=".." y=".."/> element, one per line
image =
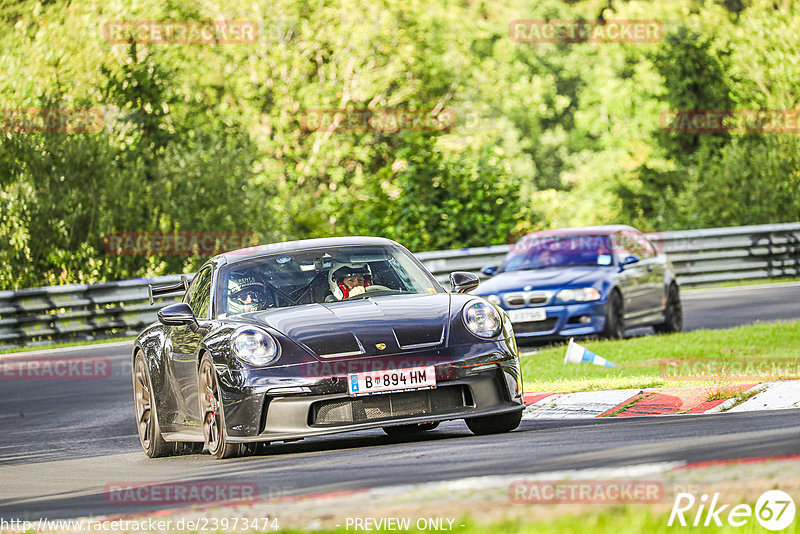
<point x="46" y="315"/>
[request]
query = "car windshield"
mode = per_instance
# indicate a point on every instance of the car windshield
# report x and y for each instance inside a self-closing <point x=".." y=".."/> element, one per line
<point x="320" y="275"/>
<point x="536" y="251"/>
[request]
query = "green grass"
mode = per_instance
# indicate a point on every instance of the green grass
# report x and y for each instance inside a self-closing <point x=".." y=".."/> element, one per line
<point x="68" y="344"/>
<point x="620" y="519"/>
<point x="701" y="357"/>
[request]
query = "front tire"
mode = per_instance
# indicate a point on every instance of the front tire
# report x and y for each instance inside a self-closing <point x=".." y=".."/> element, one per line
<point x="673" y="313"/>
<point x="213" y="417"/>
<point x="494" y="424"/>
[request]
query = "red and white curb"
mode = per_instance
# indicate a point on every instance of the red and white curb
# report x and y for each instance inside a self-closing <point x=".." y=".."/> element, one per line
<point x="663" y="401"/>
<point x="577" y="405"/>
<point x="775" y="396"/>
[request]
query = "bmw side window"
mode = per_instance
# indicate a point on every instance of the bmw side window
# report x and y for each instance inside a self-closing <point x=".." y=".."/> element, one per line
<point x="200" y="294"/>
<point x="647" y="247"/>
<point x="634" y="243"/>
<point x="622" y="245"/>
<point x="640" y="246"/>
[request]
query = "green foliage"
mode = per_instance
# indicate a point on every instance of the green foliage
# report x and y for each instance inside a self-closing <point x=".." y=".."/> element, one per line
<point x="210" y="137"/>
<point x="428" y="201"/>
<point x="759" y="178"/>
<point x="722" y="178"/>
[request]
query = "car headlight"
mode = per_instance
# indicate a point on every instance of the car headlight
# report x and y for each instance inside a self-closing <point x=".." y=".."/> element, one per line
<point x="482" y="319"/>
<point x="254" y="346"/>
<point x="581" y="294"/>
<point x="494" y="299"/>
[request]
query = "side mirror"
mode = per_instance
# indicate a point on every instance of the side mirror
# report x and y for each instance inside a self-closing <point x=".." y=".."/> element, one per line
<point x="462" y="282"/>
<point x="179" y="314"/>
<point x="489" y="270"/>
<point x="628" y="260"/>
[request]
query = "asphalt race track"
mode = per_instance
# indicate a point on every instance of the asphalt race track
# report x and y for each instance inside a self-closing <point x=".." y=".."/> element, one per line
<point x="64" y="442"/>
<point x="734" y="306"/>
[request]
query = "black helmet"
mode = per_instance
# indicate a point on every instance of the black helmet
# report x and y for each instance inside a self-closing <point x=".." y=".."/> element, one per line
<point x="245" y="294"/>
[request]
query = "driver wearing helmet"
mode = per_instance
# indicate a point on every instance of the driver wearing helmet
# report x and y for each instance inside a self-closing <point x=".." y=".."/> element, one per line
<point x="245" y="294"/>
<point x="349" y="279"/>
<point x="549" y="258"/>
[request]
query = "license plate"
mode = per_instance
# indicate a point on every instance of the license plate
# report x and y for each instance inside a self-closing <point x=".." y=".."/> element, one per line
<point x="527" y="316"/>
<point x="392" y="380"/>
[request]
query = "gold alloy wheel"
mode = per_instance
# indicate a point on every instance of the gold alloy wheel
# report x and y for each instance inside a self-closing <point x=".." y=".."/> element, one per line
<point x="142" y="399"/>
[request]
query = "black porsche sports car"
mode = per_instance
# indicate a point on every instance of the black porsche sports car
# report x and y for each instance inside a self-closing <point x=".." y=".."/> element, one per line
<point x="284" y="341"/>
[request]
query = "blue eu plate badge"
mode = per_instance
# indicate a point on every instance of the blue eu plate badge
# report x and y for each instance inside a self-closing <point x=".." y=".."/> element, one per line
<point x="353" y="383"/>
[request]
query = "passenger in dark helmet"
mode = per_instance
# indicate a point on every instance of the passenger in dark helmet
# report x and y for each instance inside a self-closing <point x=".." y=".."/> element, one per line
<point x="246" y="294"/>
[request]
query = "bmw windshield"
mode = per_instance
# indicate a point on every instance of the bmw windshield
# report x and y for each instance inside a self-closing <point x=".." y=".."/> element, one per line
<point x="544" y="251"/>
<point x="321" y="275"/>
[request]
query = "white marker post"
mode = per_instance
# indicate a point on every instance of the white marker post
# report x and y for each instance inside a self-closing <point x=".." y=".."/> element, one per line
<point x="577" y="354"/>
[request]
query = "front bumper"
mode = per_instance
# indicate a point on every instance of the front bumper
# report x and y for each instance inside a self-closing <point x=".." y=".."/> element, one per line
<point x="566" y="320"/>
<point x="298" y="401"/>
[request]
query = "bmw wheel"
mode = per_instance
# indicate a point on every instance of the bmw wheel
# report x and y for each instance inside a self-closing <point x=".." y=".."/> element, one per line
<point x="673" y="313"/>
<point x="615" y="318"/>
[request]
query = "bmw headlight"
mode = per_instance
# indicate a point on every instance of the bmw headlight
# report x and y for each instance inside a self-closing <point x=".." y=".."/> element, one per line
<point x="254" y="346"/>
<point x="482" y="319"/>
<point x="494" y="299"/>
<point x="580" y="294"/>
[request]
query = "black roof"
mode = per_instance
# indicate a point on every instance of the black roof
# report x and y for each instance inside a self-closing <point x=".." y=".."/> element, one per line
<point x="303" y="244"/>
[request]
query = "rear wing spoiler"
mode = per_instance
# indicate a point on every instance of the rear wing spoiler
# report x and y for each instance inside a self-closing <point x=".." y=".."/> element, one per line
<point x="178" y="287"/>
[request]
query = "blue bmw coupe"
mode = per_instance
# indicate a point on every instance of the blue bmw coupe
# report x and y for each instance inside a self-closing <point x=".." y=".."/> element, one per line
<point x="593" y="280"/>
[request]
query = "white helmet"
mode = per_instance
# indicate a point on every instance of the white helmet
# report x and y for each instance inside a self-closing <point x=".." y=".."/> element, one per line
<point x="339" y="271"/>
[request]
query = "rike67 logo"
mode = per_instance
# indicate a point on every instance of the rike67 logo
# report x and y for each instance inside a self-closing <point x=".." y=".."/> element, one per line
<point x="774" y="510"/>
